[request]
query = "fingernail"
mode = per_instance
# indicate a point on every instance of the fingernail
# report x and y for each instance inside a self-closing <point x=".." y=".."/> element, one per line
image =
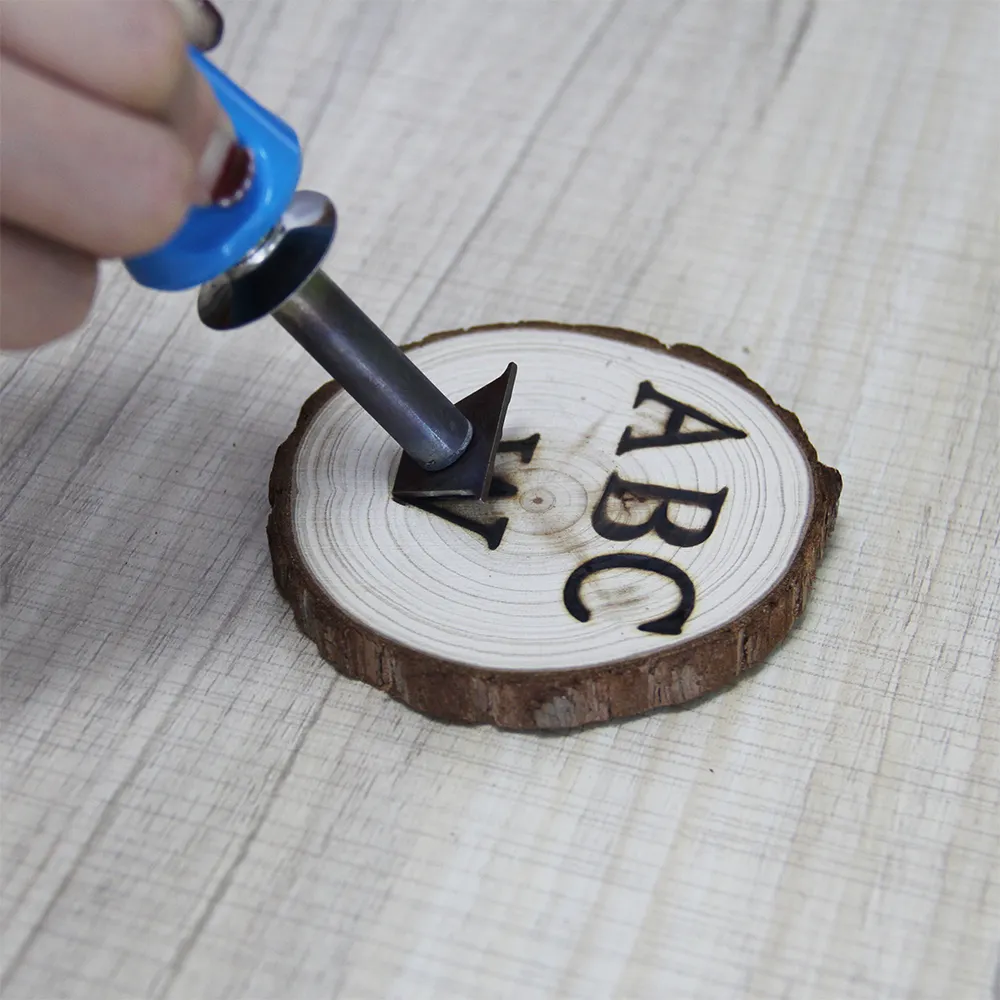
<point x="203" y="24"/>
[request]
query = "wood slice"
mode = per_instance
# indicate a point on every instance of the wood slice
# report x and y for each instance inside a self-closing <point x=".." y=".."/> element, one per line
<point x="655" y="528"/>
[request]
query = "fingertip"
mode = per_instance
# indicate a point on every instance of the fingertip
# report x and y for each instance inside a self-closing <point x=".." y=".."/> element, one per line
<point x="203" y="23"/>
<point x="46" y="290"/>
<point x="85" y="272"/>
<point x="166" y="173"/>
<point x="153" y="56"/>
<point x="80" y="290"/>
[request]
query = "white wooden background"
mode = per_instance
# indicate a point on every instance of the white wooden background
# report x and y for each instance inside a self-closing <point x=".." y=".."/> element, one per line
<point x="195" y="806"/>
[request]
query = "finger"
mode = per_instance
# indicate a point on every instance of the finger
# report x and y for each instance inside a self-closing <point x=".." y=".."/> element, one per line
<point x="80" y="172"/>
<point x="132" y="53"/>
<point x="203" y="24"/>
<point x="45" y="289"/>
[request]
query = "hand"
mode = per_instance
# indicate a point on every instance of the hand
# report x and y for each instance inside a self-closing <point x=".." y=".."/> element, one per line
<point x="110" y="134"/>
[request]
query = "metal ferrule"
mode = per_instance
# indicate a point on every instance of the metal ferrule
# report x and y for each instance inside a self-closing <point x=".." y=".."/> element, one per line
<point x="421" y="419"/>
<point x="281" y="277"/>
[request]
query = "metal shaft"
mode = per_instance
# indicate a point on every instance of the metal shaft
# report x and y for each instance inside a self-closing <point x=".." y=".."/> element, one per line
<point x="369" y="366"/>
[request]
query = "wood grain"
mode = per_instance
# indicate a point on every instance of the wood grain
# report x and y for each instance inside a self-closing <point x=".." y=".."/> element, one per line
<point x="194" y="807"/>
<point x="484" y="618"/>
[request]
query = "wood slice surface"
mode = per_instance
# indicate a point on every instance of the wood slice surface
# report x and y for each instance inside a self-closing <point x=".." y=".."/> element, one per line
<point x="655" y="528"/>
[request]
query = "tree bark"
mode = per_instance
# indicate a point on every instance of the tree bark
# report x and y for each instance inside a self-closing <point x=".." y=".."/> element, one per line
<point x="607" y="520"/>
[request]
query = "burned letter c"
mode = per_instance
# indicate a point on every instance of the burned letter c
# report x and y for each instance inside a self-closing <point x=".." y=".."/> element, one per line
<point x="669" y="624"/>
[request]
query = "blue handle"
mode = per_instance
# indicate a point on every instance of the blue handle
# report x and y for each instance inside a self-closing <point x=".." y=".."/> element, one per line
<point x="213" y="239"/>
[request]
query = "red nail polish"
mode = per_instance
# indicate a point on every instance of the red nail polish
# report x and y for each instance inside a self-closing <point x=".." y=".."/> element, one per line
<point x="235" y="177"/>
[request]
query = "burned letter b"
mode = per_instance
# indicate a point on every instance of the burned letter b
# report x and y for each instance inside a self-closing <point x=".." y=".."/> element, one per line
<point x="627" y="493"/>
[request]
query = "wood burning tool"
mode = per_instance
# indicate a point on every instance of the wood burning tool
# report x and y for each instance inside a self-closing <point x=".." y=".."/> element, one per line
<point x="258" y="253"/>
